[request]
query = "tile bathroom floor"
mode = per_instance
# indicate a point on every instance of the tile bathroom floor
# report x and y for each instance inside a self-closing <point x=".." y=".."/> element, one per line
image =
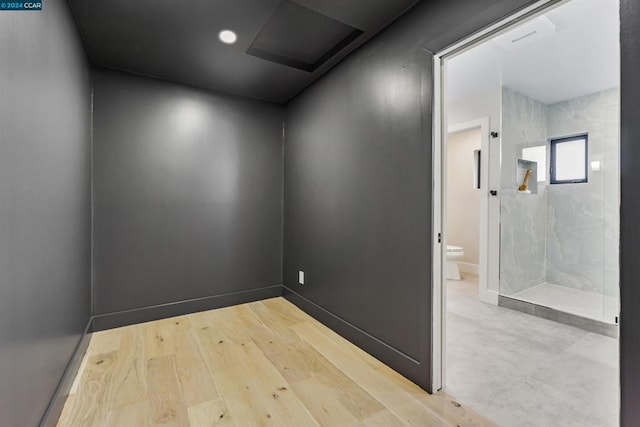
<point x="520" y="370"/>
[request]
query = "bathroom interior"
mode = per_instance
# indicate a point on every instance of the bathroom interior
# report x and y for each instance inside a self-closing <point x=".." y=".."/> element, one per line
<point x="549" y="89"/>
<point x="559" y="235"/>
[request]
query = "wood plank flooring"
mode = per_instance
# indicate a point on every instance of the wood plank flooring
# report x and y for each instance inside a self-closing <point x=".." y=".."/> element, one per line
<point x="262" y="363"/>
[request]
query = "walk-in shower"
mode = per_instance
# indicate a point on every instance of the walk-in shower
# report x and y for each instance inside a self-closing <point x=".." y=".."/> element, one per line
<point x="559" y="238"/>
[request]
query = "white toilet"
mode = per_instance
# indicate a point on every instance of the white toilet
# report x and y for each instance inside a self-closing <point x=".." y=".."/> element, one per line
<point x="454" y="253"/>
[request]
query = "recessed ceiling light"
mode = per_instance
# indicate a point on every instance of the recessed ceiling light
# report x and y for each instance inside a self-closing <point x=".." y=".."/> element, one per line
<point x="227" y="36"/>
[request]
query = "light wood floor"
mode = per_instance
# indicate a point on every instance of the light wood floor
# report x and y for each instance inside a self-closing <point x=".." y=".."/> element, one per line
<point x="263" y="363"/>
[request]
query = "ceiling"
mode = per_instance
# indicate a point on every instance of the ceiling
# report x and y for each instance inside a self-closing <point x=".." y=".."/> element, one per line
<point x="579" y="56"/>
<point x="290" y="42"/>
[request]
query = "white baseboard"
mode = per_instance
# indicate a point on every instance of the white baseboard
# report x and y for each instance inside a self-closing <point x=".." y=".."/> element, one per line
<point x="467" y="267"/>
<point x="488" y="296"/>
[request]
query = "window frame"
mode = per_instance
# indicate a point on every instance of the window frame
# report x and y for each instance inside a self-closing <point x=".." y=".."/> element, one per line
<point x="553" y="142"/>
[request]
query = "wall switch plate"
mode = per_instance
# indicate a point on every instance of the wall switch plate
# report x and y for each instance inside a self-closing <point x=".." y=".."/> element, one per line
<point x="301" y="277"/>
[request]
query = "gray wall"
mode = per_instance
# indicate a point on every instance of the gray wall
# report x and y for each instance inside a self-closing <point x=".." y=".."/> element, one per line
<point x="358" y="185"/>
<point x="629" y="212"/>
<point x="187" y="193"/>
<point x="45" y="105"/>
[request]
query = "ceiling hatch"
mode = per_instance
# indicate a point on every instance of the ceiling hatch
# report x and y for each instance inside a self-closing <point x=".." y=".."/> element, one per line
<point x="301" y="38"/>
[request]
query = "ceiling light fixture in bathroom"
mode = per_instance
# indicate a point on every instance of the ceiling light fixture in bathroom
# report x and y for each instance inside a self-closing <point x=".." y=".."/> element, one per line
<point x="227" y="37"/>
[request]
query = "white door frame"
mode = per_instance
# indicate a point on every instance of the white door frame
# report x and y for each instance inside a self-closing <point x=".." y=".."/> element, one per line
<point x="438" y="332"/>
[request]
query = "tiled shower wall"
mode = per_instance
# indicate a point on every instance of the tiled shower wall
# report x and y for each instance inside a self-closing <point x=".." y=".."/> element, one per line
<point x="522" y="217"/>
<point x="567" y="234"/>
<point x="583" y="220"/>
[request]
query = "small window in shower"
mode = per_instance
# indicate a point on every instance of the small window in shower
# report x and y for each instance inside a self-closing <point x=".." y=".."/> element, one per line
<point x="569" y="160"/>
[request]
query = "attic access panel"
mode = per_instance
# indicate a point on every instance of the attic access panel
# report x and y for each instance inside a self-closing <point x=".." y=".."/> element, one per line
<point x="298" y="37"/>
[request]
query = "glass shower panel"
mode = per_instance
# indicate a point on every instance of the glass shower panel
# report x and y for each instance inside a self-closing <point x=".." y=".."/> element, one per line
<point x="609" y="167"/>
<point x="559" y="241"/>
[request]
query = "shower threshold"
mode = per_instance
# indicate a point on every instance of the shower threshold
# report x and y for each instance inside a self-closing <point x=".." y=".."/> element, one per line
<point x="586" y="310"/>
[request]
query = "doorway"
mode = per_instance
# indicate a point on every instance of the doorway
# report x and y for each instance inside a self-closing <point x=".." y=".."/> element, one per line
<point x="535" y="325"/>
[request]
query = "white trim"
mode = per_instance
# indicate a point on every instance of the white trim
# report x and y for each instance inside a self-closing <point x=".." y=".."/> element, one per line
<point x="489" y="296"/>
<point x="485" y="257"/>
<point x="438" y="335"/>
<point x="467" y="267"/>
<point x="438" y="317"/>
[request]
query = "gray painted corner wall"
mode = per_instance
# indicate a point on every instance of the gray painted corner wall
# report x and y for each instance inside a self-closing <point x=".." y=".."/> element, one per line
<point x="358" y="183"/>
<point x="45" y="180"/>
<point x="187" y="193"/>
<point x="629" y="212"/>
<point x="357" y="202"/>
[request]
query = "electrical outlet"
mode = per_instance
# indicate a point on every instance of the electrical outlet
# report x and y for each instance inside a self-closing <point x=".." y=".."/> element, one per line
<point x="301" y="277"/>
